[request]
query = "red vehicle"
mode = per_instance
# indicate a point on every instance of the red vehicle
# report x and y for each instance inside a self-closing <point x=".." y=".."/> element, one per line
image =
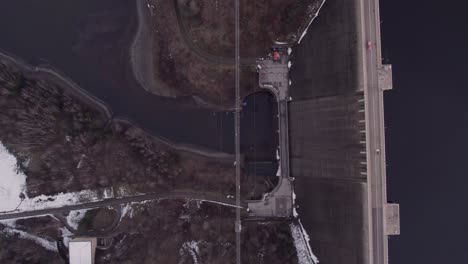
<point x="369" y="44"/>
<point x="276" y="55"/>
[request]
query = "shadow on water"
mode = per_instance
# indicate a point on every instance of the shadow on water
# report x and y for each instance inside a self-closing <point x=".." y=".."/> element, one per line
<point x="88" y="41"/>
<point x="259" y="137"/>
<point x="259" y="142"/>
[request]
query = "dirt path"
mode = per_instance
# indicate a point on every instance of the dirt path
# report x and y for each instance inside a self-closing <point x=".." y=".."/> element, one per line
<point x="174" y="195"/>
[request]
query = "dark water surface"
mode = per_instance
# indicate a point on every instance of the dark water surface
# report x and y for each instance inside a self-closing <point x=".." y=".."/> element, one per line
<point x="427" y="127"/>
<point x="51" y="32"/>
<point x="259" y="126"/>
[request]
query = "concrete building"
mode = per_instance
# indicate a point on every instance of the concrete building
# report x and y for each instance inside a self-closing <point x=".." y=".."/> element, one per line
<point x="274" y="76"/>
<point x="82" y="250"/>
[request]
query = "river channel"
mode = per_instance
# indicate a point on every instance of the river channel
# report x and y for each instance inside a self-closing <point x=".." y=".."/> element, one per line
<point x="88" y="42"/>
<point x="48" y="32"/>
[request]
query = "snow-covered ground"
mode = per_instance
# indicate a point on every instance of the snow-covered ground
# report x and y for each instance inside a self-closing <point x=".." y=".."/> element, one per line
<point x="10" y="223"/>
<point x="278" y="158"/>
<point x="295" y="214"/>
<point x="47" y="244"/>
<point x="61" y="199"/>
<point x="192" y="248"/>
<point x="12" y="181"/>
<point x="13" y="184"/>
<point x="301" y="241"/>
<point x="133" y="208"/>
<point x="312" y="18"/>
<point x="127" y="210"/>
<point x="74" y="218"/>
<point x="66" y="235"/>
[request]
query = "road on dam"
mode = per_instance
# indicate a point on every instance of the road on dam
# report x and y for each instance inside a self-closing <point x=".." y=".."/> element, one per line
<point x="375" y="134"/>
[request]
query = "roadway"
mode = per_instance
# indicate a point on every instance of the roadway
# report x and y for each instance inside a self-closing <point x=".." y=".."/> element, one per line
<point x="376" y="168"/>
<point x="237" y="106"/>
<point x="174" y="195"/>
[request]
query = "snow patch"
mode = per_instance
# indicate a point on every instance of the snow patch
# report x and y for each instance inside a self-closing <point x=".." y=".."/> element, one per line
<point x="301" y="242"/>
<point x="12" y="181"/>
<point x="295" y="214"/>
<point x="80" y="163"/>
<point x="47" y="244"/>
<point x="108" y="193"/>
<point x="13" y="186"/>
<point x="127" y="210"/>
<point x="192" y="248"/>
<point x="278" y="158"/>
<point x="310" y="22"/>
<point x="26" y="162"/>
<point x="10" y="223"/>
<point x="66" y="236"/>
<point x="61" y="199"/>
<point x="74" y="218"/>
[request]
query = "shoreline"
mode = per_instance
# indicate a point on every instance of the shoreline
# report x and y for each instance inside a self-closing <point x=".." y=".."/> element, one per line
<point x="83" y="96"/>
<point x="311" y="20"/>
<point x="67" y="84"/>
<point x="188" y="148"/>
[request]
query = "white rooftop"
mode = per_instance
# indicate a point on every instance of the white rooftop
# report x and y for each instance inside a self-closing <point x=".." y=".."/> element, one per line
<point x="80" y="252"/>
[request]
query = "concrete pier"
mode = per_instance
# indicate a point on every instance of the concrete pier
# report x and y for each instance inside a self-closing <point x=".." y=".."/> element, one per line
<point x="274" y="76"/>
